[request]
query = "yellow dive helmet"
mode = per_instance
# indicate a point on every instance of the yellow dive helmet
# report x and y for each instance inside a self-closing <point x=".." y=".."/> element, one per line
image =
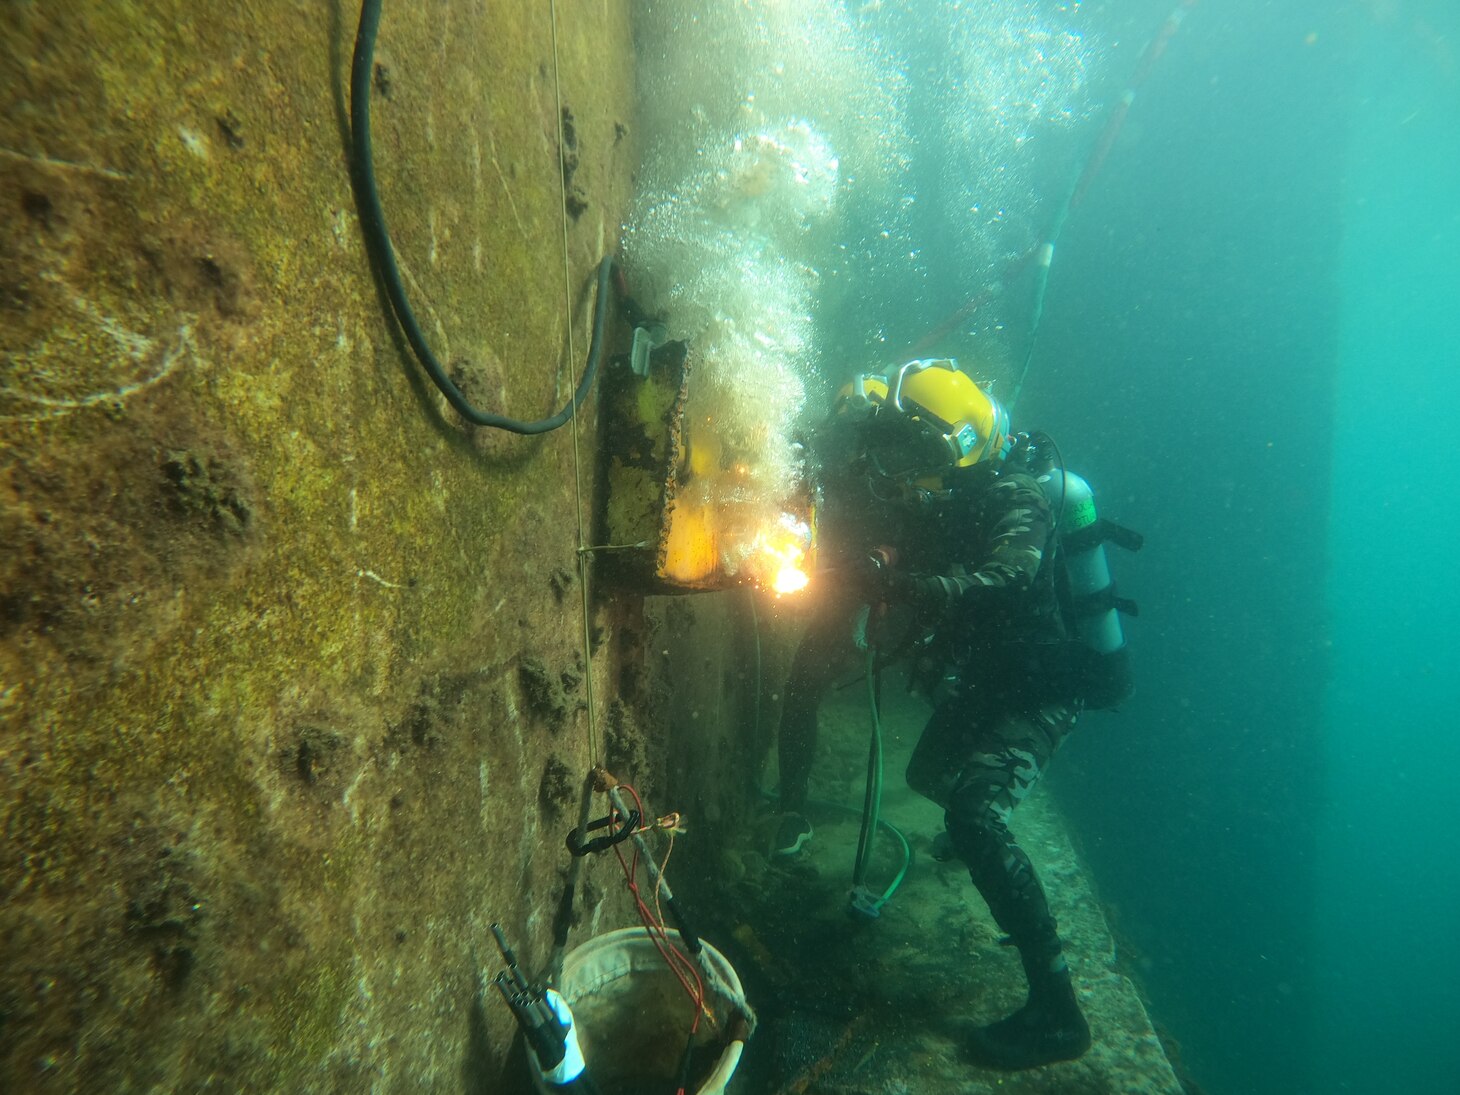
<point x="865" y="393"/>
<point x="945" y="420"/>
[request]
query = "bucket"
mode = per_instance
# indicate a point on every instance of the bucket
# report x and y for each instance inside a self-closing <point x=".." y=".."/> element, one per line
<point x="633" y="1017"/>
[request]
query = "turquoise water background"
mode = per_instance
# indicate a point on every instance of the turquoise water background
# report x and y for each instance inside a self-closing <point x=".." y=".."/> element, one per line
<point x="1250" y="347"/>
<point x="1273" y="819"/>
<point x="1388" y="897"/>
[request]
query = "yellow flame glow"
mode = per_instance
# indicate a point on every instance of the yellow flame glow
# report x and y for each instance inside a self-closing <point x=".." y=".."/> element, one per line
<point x="779" y="557"/>
<point x="790" y="579"/>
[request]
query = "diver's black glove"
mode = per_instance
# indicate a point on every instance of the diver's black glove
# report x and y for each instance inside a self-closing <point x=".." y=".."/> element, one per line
<point x="920" y="592"/>
<point x="877" y="580"/>
<point x="869" y="577"/>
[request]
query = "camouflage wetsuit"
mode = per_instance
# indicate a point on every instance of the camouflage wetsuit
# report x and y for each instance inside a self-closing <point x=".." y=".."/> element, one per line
<point x="973" y="566"/>
<point x="998" y="622"/>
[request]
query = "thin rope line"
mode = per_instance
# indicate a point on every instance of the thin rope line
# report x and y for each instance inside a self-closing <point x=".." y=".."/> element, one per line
<point x="583" y="555"/>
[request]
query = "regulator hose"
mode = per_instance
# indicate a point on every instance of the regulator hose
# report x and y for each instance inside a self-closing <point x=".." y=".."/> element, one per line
<point x="382" y="253"/>
<point x="863" y="900"/>
<point x="872" y="795"/>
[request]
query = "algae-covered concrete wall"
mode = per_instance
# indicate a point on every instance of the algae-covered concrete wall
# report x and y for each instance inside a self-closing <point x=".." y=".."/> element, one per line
<point x="291" y="663"/>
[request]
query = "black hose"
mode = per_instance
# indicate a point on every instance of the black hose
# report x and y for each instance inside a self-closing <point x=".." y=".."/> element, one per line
<point x="1059" y="457"/>
<point x="377" y="242"/>
<point x="872" y="796"/>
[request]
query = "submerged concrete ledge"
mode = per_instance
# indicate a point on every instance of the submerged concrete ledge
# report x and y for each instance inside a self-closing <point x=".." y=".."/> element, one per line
<point x="882" y="1007"/>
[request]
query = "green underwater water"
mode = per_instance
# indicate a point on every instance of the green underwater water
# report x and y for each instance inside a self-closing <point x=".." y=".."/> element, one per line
<point x="295" y="719"/>
<point x="1388" y="882"/>
<point x="1244" y="347"/>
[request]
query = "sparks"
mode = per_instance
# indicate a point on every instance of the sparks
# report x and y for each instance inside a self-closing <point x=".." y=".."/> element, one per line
<point x="790" y="579"/>
<point x="779" y="557"/>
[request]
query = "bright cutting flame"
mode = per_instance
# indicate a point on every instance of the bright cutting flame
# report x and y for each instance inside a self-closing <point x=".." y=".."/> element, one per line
<point x="780" y="556"/>
<point x="790" y="579"/>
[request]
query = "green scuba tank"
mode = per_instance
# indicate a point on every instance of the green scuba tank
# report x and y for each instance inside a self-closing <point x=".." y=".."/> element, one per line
<point x="1087" y="569"/>
<point x="1099" y="660"/>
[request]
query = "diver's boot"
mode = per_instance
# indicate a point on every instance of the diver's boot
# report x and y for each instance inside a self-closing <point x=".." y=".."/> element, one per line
<point x="792" y="833"/>
<point x="1049" y="1027"/>
<point x="943" y="849"/>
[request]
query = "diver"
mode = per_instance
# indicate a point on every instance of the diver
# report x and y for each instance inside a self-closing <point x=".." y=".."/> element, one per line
<point x="947" y="519"/>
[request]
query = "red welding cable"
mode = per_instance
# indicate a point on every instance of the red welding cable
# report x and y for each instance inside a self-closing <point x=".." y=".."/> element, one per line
<point x="1043" y="248"/>
<point x="1158" y="44"/>
<point x="678" y="963"/>
<point x="654" y="922"/>
<point x="1154" y="51"/>
<point x="1012" y="269"/>
<point x="675" y="959"/>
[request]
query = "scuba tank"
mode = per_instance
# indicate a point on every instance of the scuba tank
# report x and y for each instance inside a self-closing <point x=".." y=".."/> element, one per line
<point x="1086" y="590"/>
<point x="1086" y="568"/>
